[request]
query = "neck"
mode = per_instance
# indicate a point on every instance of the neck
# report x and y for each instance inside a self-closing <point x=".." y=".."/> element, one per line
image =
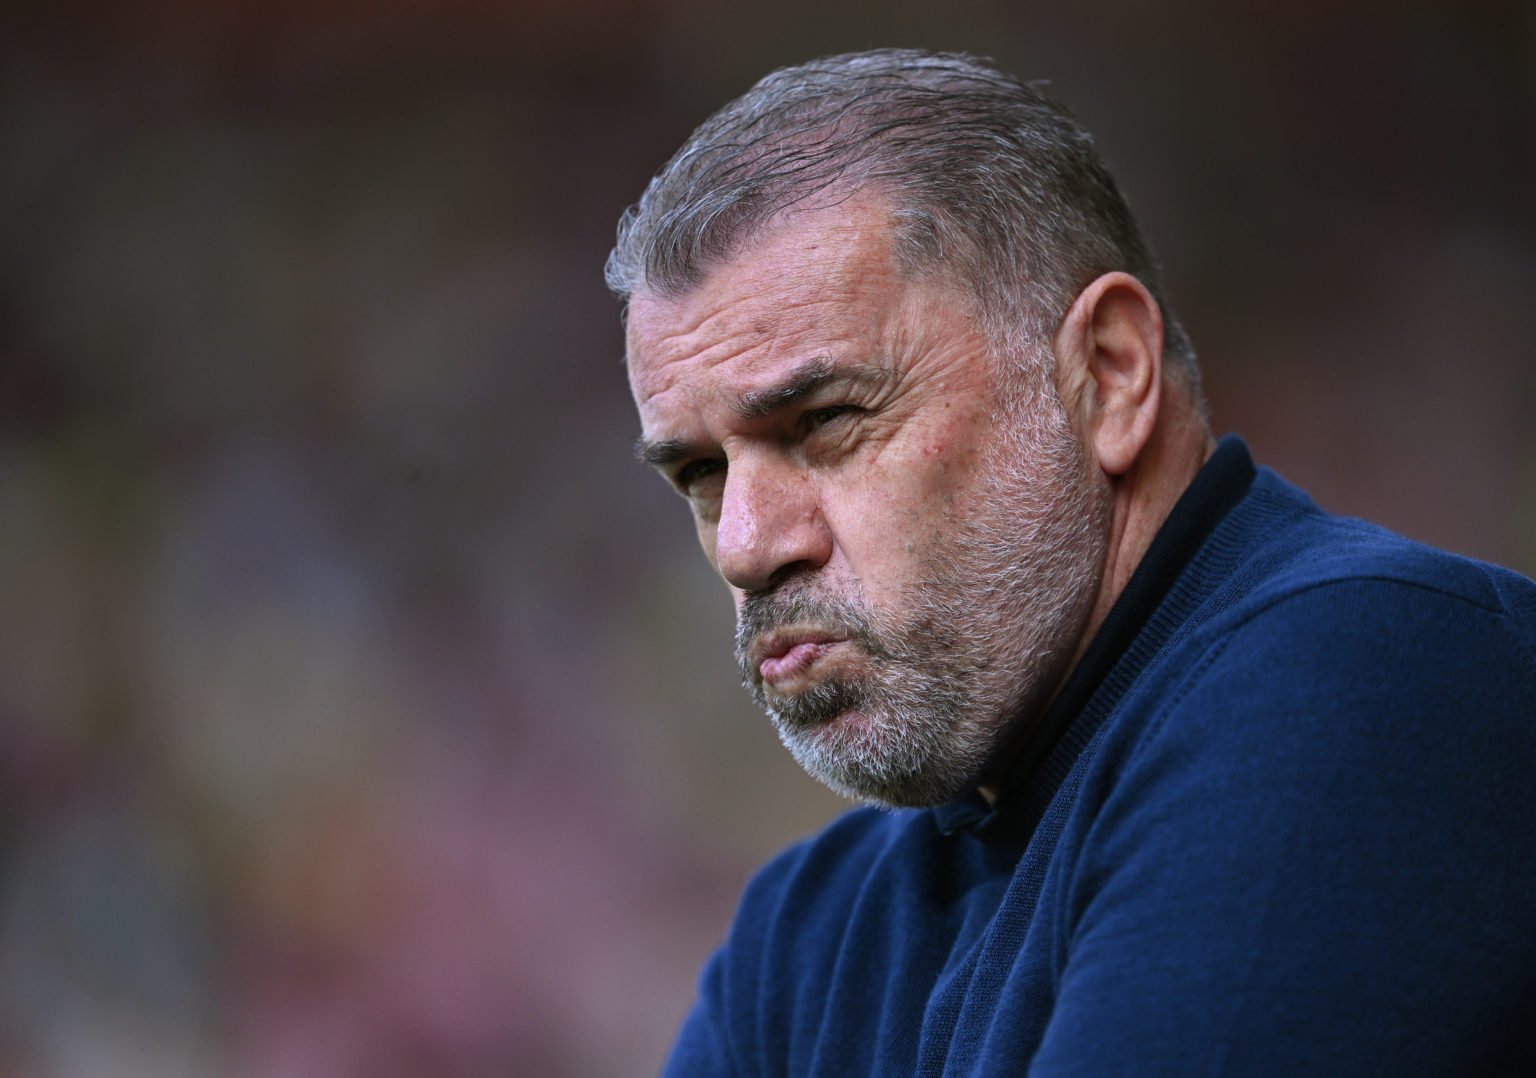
<point x="1142" y="499"/>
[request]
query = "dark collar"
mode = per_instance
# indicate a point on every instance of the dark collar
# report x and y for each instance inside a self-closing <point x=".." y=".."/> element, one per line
<point x="1053" y="744"/>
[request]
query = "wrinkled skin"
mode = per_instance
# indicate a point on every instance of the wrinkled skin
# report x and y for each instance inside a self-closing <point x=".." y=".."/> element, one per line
<point x="914" y="540"/>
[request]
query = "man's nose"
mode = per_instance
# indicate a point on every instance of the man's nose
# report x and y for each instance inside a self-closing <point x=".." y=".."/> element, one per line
<point x="770" y="521"/>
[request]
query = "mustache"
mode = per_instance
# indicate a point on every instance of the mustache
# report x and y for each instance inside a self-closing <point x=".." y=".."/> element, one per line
<point x="764" y="611"/>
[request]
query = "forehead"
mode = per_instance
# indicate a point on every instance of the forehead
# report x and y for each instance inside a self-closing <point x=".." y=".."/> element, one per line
<point x="807" y="283"/>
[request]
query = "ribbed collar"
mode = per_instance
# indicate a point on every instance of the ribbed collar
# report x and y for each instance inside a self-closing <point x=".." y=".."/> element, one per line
<point x="1056" y="741"/>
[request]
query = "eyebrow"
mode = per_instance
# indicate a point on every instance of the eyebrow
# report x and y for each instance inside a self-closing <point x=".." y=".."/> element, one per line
<point x="659" y="454"/>
<point x="809" y="377"/>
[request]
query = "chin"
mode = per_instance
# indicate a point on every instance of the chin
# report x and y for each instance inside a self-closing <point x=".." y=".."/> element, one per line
<point x="871" y="758"/>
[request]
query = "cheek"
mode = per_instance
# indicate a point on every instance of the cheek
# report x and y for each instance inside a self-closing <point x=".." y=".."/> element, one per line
<point x="936" y="476"/>
<point x="706" y="531"/>
<point x="939" y="484"/>
<point x="889" y="518"/>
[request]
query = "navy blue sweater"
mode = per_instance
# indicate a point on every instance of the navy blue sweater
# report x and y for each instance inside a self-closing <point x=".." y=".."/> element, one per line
<point x="1281" y="820"/>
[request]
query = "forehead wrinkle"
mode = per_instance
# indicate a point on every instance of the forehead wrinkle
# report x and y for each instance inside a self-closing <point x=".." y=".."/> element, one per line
<point x="807" y="378"/>
<point x="750" y="300"/>
<point x="803" y="380"/>
<point x="790" y="282"/>
<point x="674" y="349"/>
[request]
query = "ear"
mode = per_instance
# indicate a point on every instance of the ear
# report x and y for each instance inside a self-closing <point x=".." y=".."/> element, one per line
<point x="1109" y="351"/>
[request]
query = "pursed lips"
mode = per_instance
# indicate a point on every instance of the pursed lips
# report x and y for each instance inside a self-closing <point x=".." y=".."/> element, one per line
<point x="783" y="654"/>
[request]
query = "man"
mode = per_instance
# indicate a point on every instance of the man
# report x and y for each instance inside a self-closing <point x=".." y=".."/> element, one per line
<point x="1176" y="774"/>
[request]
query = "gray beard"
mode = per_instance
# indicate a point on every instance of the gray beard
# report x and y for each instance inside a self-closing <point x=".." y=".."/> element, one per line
<point x="982" y="638"/>
<point x="897" y="741"/>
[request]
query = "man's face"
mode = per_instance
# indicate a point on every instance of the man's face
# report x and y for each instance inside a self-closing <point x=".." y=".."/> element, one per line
<point x="913" y="542"/>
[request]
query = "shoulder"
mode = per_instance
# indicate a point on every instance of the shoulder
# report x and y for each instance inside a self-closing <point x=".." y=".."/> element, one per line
<point x="1337" y="636"/>
<point x="1357" y="706"/>
<point x="1402" y="690"/>
<point x="1319" y="811"/>
<point x="1306" y="544"/>
<point x="1344" y="596"/>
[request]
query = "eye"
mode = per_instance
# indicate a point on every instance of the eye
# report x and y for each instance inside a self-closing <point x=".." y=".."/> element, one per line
<point x="820" y="417"/>
<point x="696" y="471"/>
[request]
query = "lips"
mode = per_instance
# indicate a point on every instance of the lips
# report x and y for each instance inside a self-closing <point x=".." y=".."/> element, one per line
<point x="782" y="656"/>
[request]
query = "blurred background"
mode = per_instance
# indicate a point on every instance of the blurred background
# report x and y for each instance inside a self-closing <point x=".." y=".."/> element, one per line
<point x="364" y="709"/>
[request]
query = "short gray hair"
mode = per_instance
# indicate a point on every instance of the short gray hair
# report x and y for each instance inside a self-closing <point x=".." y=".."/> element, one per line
<point x="989" y="180"/>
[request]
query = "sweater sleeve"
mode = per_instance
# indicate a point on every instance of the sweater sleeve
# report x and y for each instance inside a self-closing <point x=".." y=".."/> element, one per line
<point x="775" y="968"/>
<point x="720" y="1036"/>
<point x="1319" y="857"/>
<point x="700" y="1049"/>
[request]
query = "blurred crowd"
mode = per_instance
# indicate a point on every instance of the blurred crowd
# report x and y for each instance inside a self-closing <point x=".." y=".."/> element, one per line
<point x="364" y="708"/>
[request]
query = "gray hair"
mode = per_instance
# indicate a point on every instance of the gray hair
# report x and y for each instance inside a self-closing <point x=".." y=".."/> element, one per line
<point x="989" y="181"/>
